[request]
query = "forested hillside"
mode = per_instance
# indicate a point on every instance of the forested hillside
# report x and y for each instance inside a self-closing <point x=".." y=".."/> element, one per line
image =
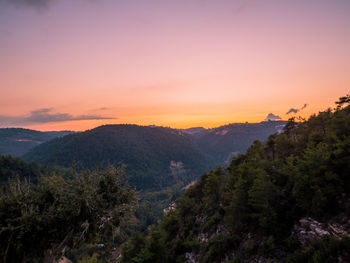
<point x="225" y="142"/>
<point x="155" y="157"/>
<point x="285" y="200"/>
<point x="158" y="161"/>
<point x="18" y="141"/>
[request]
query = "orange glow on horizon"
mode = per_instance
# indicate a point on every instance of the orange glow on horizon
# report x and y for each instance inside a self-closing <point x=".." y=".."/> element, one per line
<point x="170" y="63"/>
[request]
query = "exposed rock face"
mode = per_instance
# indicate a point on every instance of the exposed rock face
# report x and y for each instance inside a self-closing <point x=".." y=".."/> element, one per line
<point x="309" y="230"/>
<point x="203" y="237"/>
<point x="171" y="207"/>
<point x="191" y="257"/>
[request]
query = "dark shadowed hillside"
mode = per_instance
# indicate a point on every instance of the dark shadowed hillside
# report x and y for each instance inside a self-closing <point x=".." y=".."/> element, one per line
<point x="154" y="157"/>
<point x="225" y="142"/>
<point x="16" y="168"/>
<point x="11" y="167"/>
<point x="18" y="141"/>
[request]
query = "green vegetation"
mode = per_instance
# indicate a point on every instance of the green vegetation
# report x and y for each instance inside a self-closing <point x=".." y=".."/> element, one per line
<point x="285" y="200"/>
<point x="250" y="211"/>
<point x="11" y="167"/>
<point x="44" y="221"/>
<point x="147" y="152"/>
<point x="159" y="161"/>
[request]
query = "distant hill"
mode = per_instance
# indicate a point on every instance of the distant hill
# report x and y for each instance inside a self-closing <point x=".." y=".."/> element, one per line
<point x="224" y="142"/>
<point x="18" y="141"/>
<point x="154" y="156"/>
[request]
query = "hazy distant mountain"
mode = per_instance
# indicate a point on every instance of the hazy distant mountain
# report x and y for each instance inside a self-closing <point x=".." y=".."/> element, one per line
<point x="154" y="156"/>
<point x="18" y="141"/>
<point x="224" y="142"/>
<point x="219" y="144"/>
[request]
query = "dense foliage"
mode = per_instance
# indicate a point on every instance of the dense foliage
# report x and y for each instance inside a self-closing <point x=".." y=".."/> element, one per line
<point x="249" y="211"/>
<point x="18" y="141"/>
<point x="11" y="167"/>
<point x="148" y="153"/>
<point x="43" y="221"/>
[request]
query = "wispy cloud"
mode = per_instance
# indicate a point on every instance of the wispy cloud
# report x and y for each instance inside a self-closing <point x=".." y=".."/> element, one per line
<point x="293" y="110"/>
<point x="273" y="117"/>
<point x="103" y="108"/>
<point x="35" y="4"/>
<point x="46" y="115"/>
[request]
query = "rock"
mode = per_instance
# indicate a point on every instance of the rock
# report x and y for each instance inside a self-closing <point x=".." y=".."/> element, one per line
<point x="309" y="230"/>
<point x="203" y="237"/>
<point x="191" y="257"/>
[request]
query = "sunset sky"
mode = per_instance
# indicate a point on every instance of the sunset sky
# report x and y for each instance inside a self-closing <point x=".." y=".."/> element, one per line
<point x="78" y="64"/>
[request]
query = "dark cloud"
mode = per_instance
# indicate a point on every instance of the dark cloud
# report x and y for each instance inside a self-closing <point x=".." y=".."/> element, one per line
<point x="36" y="4"/>
<point x="273" y="117"/>
<point x="293" y="110"/>
<point x="45" y="116"/>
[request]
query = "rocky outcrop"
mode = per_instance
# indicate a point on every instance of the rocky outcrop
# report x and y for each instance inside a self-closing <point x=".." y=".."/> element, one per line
<point x="309" y="230"/>
<point x="191" y="257"/>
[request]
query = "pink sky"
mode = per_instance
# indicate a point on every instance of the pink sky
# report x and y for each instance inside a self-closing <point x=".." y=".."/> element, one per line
<point x="176" y="63"/>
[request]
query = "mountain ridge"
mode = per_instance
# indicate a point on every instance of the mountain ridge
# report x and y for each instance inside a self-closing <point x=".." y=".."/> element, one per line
<point x="17" y="141"/>
<point x="147" y="152"/>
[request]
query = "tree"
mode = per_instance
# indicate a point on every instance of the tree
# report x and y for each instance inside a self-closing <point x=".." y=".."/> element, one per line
<point x="262" y="197"/>
<point x="343" y="100"/>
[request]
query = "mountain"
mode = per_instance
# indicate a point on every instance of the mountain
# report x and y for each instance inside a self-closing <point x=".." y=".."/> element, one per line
<point x="18" y="141"/>
<point x="285" y="200"/>
<point x="224" y="142"/>
<point x="153" y="149"/>
<point x="155" y="157"/>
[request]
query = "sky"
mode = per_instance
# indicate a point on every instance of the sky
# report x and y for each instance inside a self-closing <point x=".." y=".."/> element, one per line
<point x="78" y="64"/>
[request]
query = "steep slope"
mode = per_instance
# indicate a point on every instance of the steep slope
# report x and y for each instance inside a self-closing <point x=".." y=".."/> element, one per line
<point x="154" y="157"/>
<point x="18" y="141"/>
<point x="286" y="200"/>
<point x="225" y="142"/>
